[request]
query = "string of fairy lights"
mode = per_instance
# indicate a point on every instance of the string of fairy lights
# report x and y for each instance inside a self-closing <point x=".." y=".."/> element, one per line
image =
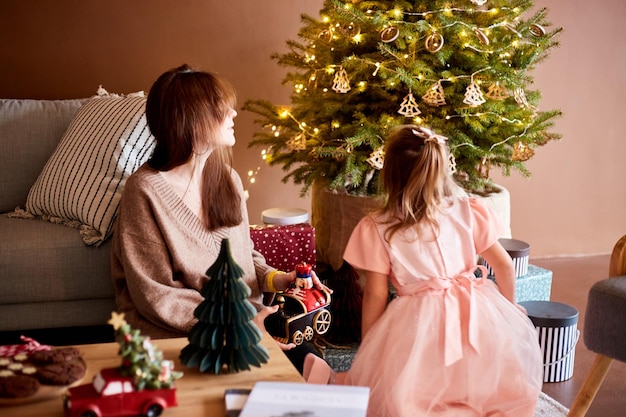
<point x="473" y="38"/>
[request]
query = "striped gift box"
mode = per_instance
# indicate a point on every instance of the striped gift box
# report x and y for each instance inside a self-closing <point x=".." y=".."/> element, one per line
<point x="556" y="325"/>
<point x="519" y="252"/>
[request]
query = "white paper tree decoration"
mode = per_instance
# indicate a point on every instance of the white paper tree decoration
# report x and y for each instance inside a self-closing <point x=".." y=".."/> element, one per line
<point x="434" y="96"/>
<point x="377" y="158"/>
<point x="522" y="152"/>
<point x="451" y="164"/>
<point x="408" y="107"/>
<point x="297" y="143"/>
<point x="341" y="84"/>
<point x="496" y="92"/>
<point x="473" y="95"/>
<point x="520" y="97"/>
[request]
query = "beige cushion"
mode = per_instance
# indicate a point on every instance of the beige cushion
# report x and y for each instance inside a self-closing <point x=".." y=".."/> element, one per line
<point x="82" y="182"/>
<point x="30" y="130"/>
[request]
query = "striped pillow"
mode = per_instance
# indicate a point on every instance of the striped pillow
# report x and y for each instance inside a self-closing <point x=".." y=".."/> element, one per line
<point x="82" y="182"/>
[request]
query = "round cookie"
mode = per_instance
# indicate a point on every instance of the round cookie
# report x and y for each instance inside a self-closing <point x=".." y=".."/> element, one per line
<point x="15" y="367"/>
<point x="20" y="357"/>
<point x="18" y="386"/>
<point x="59" y="355"/>
<point x="64" y="373"/>
<point x="29" y="370"/>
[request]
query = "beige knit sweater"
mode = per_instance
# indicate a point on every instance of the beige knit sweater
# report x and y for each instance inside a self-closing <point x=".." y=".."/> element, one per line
<point x="161" y="252"/>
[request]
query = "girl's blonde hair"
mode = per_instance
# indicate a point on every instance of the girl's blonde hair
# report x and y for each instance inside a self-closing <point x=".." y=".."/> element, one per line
<point x="416" y="178"/>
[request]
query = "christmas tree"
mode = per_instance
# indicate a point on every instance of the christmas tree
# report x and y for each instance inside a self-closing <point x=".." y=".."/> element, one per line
<point x="224" y="339"/>
<point x="459" y="67"/>
<point x="140" y="359"/>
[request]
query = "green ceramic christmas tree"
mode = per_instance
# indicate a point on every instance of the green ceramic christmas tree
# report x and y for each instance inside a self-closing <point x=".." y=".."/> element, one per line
<point x="461" y="67"/>
<point x="224" y="339"/>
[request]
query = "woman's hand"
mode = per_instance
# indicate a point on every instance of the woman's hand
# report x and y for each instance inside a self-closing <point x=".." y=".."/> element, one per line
<point x="282" y="281"/>
<point x="259" y="320"/>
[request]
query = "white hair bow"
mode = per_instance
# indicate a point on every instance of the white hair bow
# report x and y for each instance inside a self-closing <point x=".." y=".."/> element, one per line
<point x="429" y="136"/>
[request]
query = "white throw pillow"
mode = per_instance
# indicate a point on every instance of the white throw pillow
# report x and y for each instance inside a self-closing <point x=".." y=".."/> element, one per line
<point x="82" y="182"/>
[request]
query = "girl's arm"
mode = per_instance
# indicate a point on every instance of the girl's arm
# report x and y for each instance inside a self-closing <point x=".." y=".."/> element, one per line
<point x="375" y="298"/>
<point x="503" y="269"/>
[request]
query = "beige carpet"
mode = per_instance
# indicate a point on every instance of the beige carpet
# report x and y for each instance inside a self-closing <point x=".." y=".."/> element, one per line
<point x="549" y="407"/>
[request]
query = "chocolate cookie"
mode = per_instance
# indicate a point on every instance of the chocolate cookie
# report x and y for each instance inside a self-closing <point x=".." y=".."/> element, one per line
<point x="59" y="355"/>
<point x="64" y="373"/>
<point x="18" y="386"/>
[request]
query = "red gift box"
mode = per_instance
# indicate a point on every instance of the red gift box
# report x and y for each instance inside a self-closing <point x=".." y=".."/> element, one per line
<point x="285" y="246"/>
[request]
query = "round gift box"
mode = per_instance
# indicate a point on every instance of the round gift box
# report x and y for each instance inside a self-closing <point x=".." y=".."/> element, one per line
<point x="558" y="335"/>
<point x="518" y="251"/>
<point x="285" y="216"/>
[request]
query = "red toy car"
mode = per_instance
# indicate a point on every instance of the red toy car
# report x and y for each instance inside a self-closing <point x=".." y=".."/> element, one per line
<point x="113" y="395"/>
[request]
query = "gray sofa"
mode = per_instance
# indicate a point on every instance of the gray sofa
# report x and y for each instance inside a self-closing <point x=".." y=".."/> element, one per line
<point x="48" y="276"/>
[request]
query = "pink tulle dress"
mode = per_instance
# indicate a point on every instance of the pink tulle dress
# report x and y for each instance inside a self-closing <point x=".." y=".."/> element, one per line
<point x="450" y="344"/>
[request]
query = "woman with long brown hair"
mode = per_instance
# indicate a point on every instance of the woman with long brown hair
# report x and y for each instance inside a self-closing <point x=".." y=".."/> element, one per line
<point x="178" y="207"/>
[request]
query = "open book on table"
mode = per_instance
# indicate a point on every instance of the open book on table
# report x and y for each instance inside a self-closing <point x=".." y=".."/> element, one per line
<point x="286" y="399"/>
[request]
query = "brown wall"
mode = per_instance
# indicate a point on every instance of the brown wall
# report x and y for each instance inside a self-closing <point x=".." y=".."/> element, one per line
<point x="574" y="203"/>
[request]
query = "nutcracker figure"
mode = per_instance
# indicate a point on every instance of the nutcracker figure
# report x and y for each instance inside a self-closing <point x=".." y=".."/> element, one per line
<point x="303" y="288"/>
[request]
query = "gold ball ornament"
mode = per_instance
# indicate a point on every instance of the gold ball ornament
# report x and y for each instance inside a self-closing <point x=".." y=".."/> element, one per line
<point x="350" y="30"/>
<point x="434" y="42"/>
<point x="325" y="35"/>
<point x="389" y="34"/>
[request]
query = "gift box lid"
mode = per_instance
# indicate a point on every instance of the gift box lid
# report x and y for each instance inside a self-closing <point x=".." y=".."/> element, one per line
<point x="515" y="248"/>
<point x="550" y="313"/>
<point x="285" y="216"/>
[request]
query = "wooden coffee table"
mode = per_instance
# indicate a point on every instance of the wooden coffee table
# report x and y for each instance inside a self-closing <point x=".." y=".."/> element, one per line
<point x="198" y="394"/>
